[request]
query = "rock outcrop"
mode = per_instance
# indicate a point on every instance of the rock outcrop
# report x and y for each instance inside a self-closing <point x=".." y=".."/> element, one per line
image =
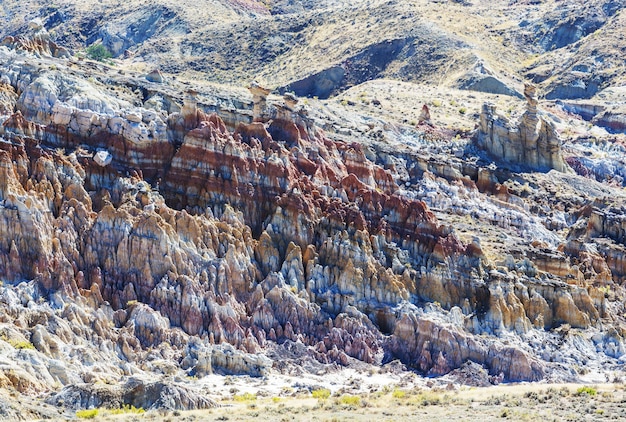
<point x="533" y="143"/>
<point x="145" y="241"/>
<point x="36" y="41"/>
<point x="259" y="100"/>
<point x="483" y="79"/>
<point x="141" y="394"/>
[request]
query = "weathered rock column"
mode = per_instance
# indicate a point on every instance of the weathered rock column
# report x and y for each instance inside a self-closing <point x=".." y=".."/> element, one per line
<point x="290" y="101"/>
<point x="487" y="116"/>
<point x="533" y="142"/>
<point x="259" y="100"/>
<point x="424" y="117"/>
<point x="287" y="108"/>
<point x="190" y="107"/>
<point x="530" y="127"/>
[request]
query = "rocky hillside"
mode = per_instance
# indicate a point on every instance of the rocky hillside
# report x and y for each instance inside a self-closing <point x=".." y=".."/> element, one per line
<point x="157" y="229"/>
<point x="319" y="48"/>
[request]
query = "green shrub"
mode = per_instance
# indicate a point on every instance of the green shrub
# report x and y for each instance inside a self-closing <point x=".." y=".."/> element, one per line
<point x="21" y="344"/>
<point x="244" y="397"/>
<point x="349" y="400"/>
<point x="87" y="413"/>
<point x="321" y="394"/>
<point x="590" y="391"/>
<point x="398" y="394"/>
<point x="98" y="52"/>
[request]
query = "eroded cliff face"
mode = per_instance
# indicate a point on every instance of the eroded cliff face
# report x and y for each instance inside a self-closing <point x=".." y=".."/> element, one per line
<point x="167" y="239"/>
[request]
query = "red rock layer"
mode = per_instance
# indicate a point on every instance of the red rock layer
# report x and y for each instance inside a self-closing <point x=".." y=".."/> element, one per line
<point x="298" y="170"/>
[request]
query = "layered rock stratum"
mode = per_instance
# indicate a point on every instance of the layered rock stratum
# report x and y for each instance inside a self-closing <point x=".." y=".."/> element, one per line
<point x="156" y="231"/>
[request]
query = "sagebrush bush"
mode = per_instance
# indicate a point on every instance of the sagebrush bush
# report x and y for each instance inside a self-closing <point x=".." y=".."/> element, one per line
<point x="244" y="397"/>
<point x="87" y="413"/>
<point x="349" y="400"/>
<point x="590" y="391"/>
<point x="321" y="393"/>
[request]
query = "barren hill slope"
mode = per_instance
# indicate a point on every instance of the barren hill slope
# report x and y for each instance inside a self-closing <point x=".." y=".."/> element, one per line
<point x="321" y="48"/>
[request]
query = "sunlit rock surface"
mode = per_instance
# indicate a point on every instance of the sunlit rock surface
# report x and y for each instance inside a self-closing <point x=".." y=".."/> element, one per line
<point x="181" y="241"/>
<point x="534" y="143"/>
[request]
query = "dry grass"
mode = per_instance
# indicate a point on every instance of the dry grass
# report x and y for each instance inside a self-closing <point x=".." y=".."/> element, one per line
<point x="523" y="402"/>
<point x="402" y="102"/>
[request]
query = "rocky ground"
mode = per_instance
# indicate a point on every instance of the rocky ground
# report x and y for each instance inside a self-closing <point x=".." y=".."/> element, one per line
<point x="518" y="403"/>
<point x="169" y="242"/>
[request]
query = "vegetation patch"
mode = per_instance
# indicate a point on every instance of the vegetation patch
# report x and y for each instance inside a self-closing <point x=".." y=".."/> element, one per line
<point x="428" y="399"/>
<point x="349" y="400"/>
<point x="16" y="344"/>
<point x="127" y="409"/>
<point x="588" y="391"/>
<point x="87" y="413"/>
<point x="244" y="397"/>
<point x="321" y="393"/>
<point x="20" y="344"/>
<point x="98" y="52"/>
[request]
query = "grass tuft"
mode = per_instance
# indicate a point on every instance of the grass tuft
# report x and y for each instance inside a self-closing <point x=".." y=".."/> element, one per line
<point x="127" y="409"/>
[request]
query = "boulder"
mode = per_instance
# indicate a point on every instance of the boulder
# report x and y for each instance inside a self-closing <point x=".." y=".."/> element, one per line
<point x="103" y="158"/>
<point x="155" y="76"/>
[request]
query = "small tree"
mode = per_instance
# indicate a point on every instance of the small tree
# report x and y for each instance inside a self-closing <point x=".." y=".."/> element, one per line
<point x="98" y="52"/>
